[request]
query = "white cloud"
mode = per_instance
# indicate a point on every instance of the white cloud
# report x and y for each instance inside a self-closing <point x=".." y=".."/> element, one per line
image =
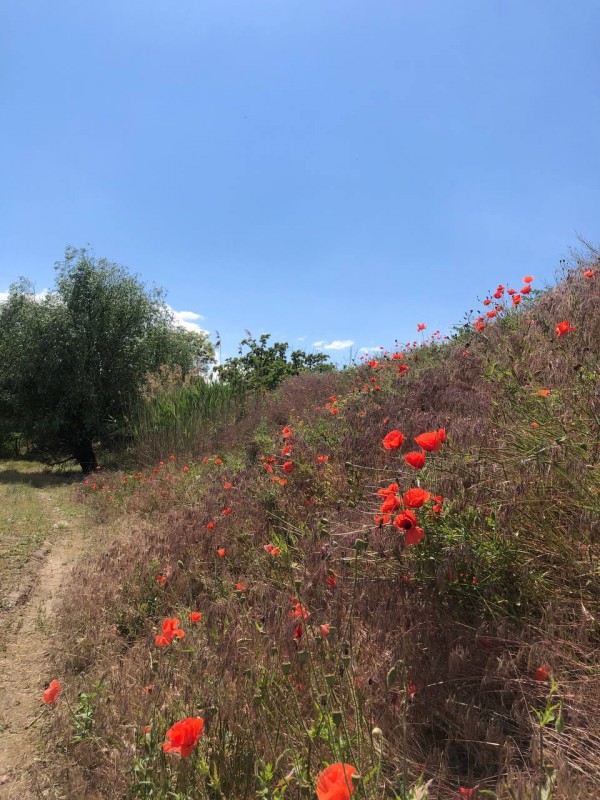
<point x="369" y="349"/>
<point x="38" y="296"/>
<point x="187" y="320"/>
<point x="337" y="344"/>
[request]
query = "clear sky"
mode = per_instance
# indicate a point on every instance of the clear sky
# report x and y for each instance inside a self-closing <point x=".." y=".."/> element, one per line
<point x="325" y="170"/>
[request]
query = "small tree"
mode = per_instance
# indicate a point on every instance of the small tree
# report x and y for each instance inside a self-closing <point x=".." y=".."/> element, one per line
<point x="73" y="362"/>
<point x="265" y="366"/>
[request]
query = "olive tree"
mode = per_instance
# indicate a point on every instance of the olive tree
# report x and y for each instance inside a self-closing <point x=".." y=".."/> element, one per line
<point x="73" y="363"/>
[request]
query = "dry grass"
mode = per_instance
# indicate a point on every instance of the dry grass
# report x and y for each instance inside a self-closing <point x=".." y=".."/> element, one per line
<point x="505" y="581"/>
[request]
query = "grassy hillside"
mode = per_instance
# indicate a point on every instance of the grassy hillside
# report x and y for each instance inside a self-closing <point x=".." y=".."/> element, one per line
<point x="454" y="654"/>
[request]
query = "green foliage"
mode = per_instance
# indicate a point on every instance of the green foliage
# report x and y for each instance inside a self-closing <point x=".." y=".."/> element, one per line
<point x="71" y="363"/>
<point x="265" y="366"/>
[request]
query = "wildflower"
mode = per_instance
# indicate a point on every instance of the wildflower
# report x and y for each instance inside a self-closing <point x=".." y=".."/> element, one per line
<point x="392" y="440"/>
<point x="171" y="458"/>
<point x="479" y="324"/>
<point x="148" y="689"/>
<point x="335" y="411"/>
<point x="564" y="327"/>
<point x="146" y="729"/>
<point x="325" y="630"/>
<point x="287" y="432"/>
<point x="391" y="489"/>
<point x="298" y="611"/>
<point x="210" y="525"/>
<point x="161" y="579"/>
<point x="469" y="794"/>
<point x="335" y="782"/>
<point x="288" y="467"/>
<point x="391" y="503"/>
<point x="184" y="736"/>
<point x="268" y="467"/>
<point x="221" y="552"/>
<point x="331" y="580"/>
<point x="186" y="469"/>
<point x="421" y="326"/>
<point x="487" y="301"/>
<point x="298" y="633"/>
<point x="195" y="616"/>
<point x="589" y="273"/>
<point x="227" y="510"/>
<point x="414" y="498"/>
<point x="526" y="289"/>
<point x="397" y="356"/>
<point x="415" y="459"/>
<point x="528" y="279"/>
<point x="381" y="519"/>
<point x="405" y="520"/>
<point x="170" y="631"/>
<point x="241" y="587"/>
<point x="431" y="441"/>
<point x="411" y="688"/>
<point x="542" y="674"/>
<point x="535" y="425"/>
<point x="322" y="459"/>
<point x="227" y="485"/>
<point x="543" y="392"/>
<point x="50" y="695"/>
<point x="286" y="449"/>
<point x="516" y="299"/>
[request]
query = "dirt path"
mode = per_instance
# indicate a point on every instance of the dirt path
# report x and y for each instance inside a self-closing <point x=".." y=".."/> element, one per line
<point x="43" y="532"/>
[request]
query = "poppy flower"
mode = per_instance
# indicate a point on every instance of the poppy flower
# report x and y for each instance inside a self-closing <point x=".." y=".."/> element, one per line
<point x="415" y="459"/>
<point x="288" y="467"/>
<point x="335" y="782"/>
<point x="50" y="695"/>
<point x="184" y="736"/>
<point x="195" y="616"/>
<point x="324" y="629"/>
<point x="241" y="587"/>
<point x="331" y="581"/>
<point x="381" y="519"/>
<point x="171" y="458"/>
<point x="414" y="498"/>
<point x="392" y="440"/>
<point x="542" y="674"/>
<point x="391" y="489"/>
<point x="186" y="469"/>
<point x="421" y="326"/>
<point x="391" y="503"/>
<point x="298" y="611"/>
<point x="405" y="520"/>
<point x="335" y="411"/>
<point x="221" y="552"/>
<point x="479" y="325"/>
<point x="227" y="510"/>
<point x="411" y="689"/>
<point x="170" y="631"/>
<point x="227" y="485"/>
<point x="218" y="461"/>
<point x="469" y="794"/>
<point x="528" y="279"/>
<point x="589" y="273"/>
<point x="431" y="441"/>
<point x="210" y="525"/>
<point x="268" y="467"/>
<point x="564" y="327"/>
<point x="535" y="425"/>
<point x="544" y="392"/>
<point x="397" y="356"/>
<point x="287" y="432"/>
<point x="526" y="289"/>
<point x="487" y="301"/>
<point x="322" y="459"/>
<point x="161" y="579"/>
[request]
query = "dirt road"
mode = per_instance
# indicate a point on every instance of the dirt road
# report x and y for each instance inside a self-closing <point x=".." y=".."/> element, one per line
<point x="42" y="536"/>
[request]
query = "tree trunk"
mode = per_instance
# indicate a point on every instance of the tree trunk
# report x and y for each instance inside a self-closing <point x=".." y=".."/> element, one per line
<point x="84" y="454"/>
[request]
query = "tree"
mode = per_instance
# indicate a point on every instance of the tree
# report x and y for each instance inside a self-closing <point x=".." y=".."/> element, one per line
<point x="264" y="366"/>
<point x="73" y="362"/>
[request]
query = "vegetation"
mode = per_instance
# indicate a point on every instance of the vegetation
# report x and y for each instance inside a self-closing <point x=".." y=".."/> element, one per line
<point x="392" y="571"/>
<point x="73" y="363"/>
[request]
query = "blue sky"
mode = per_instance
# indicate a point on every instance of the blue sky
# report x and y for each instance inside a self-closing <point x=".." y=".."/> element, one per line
<point x="325" y="171"/>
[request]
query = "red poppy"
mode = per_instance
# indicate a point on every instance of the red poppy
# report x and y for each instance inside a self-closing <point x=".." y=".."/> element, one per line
<point x="335" y="782"/>
<point x="487" y="301"/>
<point x="331" y="581"/>
<point x="170" y="631"/>
<point x="469" y="794"/>
<point x="564" y="327"/>
<point x="161" y="579"/>
<point x="526" y="289"/>
<point x="286" y="449"/>
<point x="288" y="467"/>
<point x="298" y="611"/>
<point x="421" y="326"/>
<point x="431" y="441"/>
<point x="414" y="498"/>
<point x="268" y="467"/>
<point x="535" y="424"/>
<point x="415" y="459"/>
<point x="383" y="519"/>
<point x="479" y="324"/>
<point x="221" y="552"/>
<point x="287" y="432"/>
<point x="218" y="461"/>
<point x="405" y="520"/>
<point x="393" y="440"/>
<point x="324" y="629"/>
<point x="411" y="689"/>
<point x="51" y="693"/>
<point x="516" y="299"/>
<point x="397" y="356"/>
<point x="298" y="633"/>
<point x="543" y="392"/>
<point x="589" y="273"/>
<point x="227" y="510"/>
<point x="241" y="587"/>
<point x="322" y="459"/>
<point x="210" y="525"/>
<point x="184" y="736"/>
<point x="528" y="279"/>
<point x="391" y="489"/>
<point x="542" y="674"/>
<point x="195" y="616"/>
<point x="391" y="503"/>
<point x="227" y="485"/>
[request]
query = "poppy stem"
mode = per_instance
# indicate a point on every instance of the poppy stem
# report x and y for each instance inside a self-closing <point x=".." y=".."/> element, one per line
<point x="39" y="716"/>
